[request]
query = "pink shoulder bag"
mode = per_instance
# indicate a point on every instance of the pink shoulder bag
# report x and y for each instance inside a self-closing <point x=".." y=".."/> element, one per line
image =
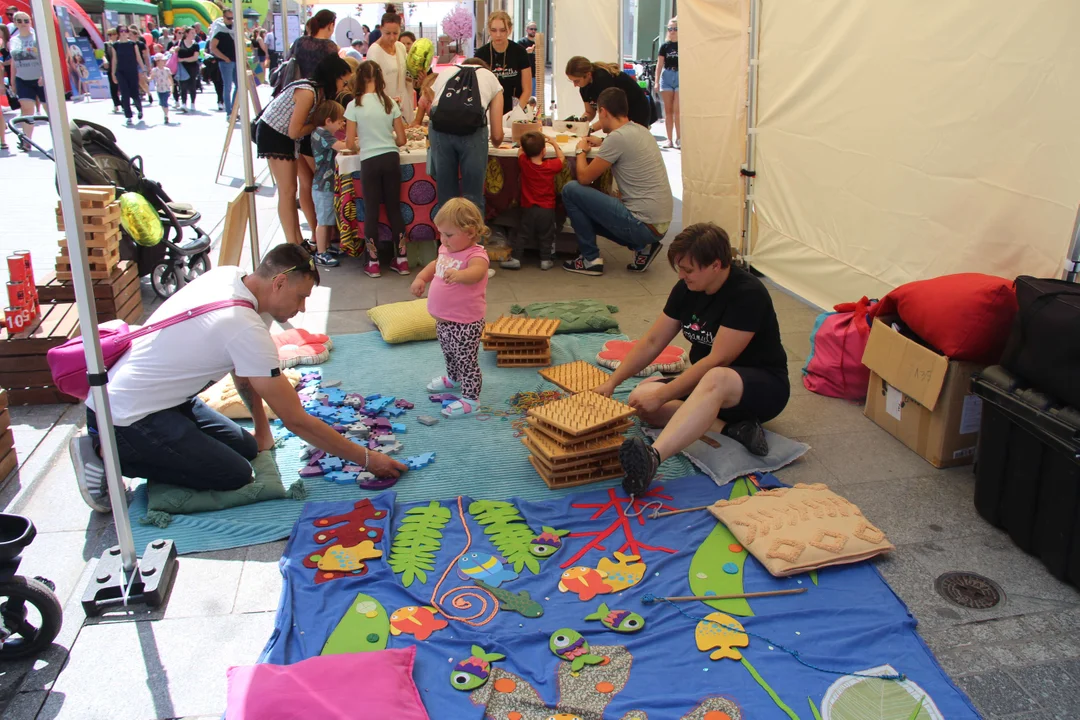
<point x="67" y="362"/>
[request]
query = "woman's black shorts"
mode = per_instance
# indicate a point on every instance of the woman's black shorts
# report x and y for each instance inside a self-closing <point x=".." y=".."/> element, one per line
<point x="269" y="143"/>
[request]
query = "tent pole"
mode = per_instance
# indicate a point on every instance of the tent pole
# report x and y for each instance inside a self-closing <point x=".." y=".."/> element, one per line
<point x="241" y="97"/>
<point x="749" y="168"/>
<point x="619" y="38"/>
<point x="284" y="29"/>
<point x="1072" y="256"/>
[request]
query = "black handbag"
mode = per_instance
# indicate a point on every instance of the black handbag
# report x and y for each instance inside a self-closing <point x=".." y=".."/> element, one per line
<point x="1044" y="346"/>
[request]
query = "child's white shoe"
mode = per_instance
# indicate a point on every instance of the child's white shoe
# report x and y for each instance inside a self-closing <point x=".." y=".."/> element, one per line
<point x="441" y="384"/>
<point x="458" y="408"/>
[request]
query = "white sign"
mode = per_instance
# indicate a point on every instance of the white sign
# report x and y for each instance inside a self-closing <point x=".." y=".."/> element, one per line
<point x="894" y="401"/>
<point x="294" y="32"/>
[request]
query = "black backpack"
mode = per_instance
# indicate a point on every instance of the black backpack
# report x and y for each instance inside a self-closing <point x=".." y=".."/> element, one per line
<point x="459" y="110"/>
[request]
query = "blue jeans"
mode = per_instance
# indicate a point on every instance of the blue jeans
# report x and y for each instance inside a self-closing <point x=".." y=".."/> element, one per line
<point x="592" y="212"/>
<point x="467" y="154"/>
<point x="189" y="445"/>
<point x="228" y="82"/>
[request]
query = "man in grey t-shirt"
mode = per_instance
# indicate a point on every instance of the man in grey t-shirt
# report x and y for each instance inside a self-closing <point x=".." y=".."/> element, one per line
<point x="642" y="216"/>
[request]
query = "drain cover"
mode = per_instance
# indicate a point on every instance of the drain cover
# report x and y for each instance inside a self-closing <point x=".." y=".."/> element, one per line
<point x="969" y="590"/>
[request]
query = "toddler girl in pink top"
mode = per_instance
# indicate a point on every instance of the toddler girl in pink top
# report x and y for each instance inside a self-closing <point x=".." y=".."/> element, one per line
<point x="458" y="300"/>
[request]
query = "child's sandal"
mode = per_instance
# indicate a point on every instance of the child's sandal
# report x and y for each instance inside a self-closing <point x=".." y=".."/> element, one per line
<point x="458" y="408"/>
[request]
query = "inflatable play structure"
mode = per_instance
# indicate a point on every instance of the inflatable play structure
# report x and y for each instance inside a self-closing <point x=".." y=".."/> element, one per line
<point x="189" y="12"/>
<point x="79" y="21"/>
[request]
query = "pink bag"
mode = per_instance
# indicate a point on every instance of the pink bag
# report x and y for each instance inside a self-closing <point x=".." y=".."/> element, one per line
<point x="67" y="362"/>
<point x="837" y="342"/>
<point x="173" y="63"/>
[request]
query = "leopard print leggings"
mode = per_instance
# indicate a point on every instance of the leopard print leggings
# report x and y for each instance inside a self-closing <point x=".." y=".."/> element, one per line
<point x="460" y="344"/>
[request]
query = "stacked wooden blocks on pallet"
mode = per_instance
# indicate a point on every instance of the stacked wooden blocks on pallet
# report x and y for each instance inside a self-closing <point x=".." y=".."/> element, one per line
<point x="24" y="371"/>
<point x="520" y="341"/>
<point x="118" y="297"/>
<point x="100" y="213"/>
<point x="8" y="460"/>
<point x="575" y="377"/>
<point x="576" y="440"/>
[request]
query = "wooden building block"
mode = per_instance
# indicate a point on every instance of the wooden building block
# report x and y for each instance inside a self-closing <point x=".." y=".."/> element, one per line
<point x="518" y="327"/>
<point x="575" y="377"/>
<point x="582" y="413"/>
<point x="574" y="479"/>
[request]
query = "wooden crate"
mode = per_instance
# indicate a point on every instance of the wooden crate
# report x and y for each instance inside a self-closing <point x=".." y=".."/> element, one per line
<point x="101" y="265"/>
<point x="8" y="460"/>
<point x="24" y="371"/>
<point x="118" y="297"/>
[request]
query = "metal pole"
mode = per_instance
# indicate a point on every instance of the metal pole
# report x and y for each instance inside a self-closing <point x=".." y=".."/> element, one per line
<point x="1072" y="256"/>
<point x="80" y="272"/>
<point x="749" y="170"/>
<point x="284" y="29"/>
<point x="619" y="39"/>
<point x="245" y="129"/>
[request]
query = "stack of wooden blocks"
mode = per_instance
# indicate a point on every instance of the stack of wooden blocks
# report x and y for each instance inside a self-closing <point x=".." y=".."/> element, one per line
<point x="100" y="213"/>
<point x="576" y="440"/>
<point x="8" y="460"/>
<point x="119" y="297"/>
<point x="520" y="341"/>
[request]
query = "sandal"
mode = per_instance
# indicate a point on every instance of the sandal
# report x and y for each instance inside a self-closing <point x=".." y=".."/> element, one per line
<point x="3" y="146"/>
<point x="458" y="408"/>
<point x="441" y="384"/>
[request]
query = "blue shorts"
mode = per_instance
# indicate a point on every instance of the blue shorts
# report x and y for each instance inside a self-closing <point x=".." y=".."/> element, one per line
<point x="669" y="80"/>
<point x="324" y="207"/>
<point x="163" y="99"/>
<point x="29" y="89"/>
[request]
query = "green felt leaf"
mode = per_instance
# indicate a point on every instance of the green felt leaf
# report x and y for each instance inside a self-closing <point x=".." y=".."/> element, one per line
<point x="813" y="708"/>
<point x="874" y="699"/>
<point x="508" y="532"/>
<point x="417" y="540"/>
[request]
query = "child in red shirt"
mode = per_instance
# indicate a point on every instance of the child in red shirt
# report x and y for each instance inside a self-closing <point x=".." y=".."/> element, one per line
<point x="537" y="199"/>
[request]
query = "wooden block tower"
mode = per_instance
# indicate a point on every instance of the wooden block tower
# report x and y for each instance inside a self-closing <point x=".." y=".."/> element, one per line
<point x="100" y="213"/>
<point x="520" y="341"/>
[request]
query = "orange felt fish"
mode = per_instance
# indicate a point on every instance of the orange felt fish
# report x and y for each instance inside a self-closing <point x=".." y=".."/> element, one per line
<point x="418" y="621"/>
<point x="585" y="582"/>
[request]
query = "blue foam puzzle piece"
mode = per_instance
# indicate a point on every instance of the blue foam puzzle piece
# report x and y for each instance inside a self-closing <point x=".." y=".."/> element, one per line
<point x="324" y="411"/>
<point x="418" y="461"/>
<point x="379" y="403"/>
<point x="330" y="464"/>
<point x="336" y="396"/>
<point x="341" y="477"/>
<point x="394" y="411"/>
<point x="374" y="396"/>
<point x="398" y="428"/>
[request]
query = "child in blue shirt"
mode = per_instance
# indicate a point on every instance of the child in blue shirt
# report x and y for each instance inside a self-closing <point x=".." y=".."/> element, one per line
<point x="328" y="119"/>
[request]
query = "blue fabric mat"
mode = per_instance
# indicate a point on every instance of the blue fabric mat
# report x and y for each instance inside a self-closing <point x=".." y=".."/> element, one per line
<point x="849" y="621"/>
<point x="481" y="458"/>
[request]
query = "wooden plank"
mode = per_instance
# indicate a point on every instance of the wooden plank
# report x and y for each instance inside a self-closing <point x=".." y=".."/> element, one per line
<point x="34" y="378"/>
<point x="518" y="327"/>
<point x="555" y="454"/>
<point x="58" y="324"/>
<point x="68" y="326"/>
<point x="94" y="275"/>
<point x="573" y="481"/>
<point x="123" y="276"/>
<point x="571" y="442"/>
<point x="530" y="361"/>
<point x="107" y="239"/>
<point x="236" y="224"/>
<point x="21" y="363"/>
<point x="5" y="416"/>
<point x="7" y="466"/>
<point x="40" y="396"/>
<point x="7" y="442"/>
<point x="3" y="398"/>
<point x="593" y="461"/>
<point x="124" y="297"/>
<point x="132" y="311"/>
<point x="97" y="193"/>
<point x="94" y="223"/>
<point x="575" y="377"/>
<point x="99" y="254"/>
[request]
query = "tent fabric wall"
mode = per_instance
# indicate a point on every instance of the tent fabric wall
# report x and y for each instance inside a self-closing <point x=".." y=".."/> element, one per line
<point x="901" y="141"/>
<point x="713" y="47"/>
<point x="589" y="29"/>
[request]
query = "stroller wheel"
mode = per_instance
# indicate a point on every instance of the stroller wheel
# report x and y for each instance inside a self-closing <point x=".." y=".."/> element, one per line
<point x="196" y="266"/>
<point x="164" y="280"/>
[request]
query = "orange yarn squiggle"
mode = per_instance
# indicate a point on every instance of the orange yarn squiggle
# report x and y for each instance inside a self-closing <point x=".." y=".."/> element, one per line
<point x="468" y="593"/>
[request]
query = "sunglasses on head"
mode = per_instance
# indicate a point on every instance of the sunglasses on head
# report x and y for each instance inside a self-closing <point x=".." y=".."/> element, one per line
<point x="308" y="266"/>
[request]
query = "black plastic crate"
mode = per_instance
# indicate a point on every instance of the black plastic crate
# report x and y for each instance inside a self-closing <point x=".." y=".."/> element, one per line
<point x="1027" y="470"/>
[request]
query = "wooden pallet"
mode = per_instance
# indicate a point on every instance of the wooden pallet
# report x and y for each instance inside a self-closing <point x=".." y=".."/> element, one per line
<point x="24" y="371"/>
<point x="557" y="454"/>
<point x="499" y="345"/>
<point x="518" y="327"/>
<point x="606" y="459"/>
<point x="119" y="297"/>
<point x="8" y="459"/>
<point x="574" y="479"/>
<point x="522" y="360"/>
<point x="582" y="413"/>
<point x="575" y="377"/>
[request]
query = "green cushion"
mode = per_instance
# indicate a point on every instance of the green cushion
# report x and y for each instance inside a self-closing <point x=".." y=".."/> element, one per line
<point x="174" y="499"/>
<point x="576" y="315"/>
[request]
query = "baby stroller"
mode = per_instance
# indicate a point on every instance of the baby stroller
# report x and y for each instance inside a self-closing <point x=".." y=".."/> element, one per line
<point x="177" y="259"/>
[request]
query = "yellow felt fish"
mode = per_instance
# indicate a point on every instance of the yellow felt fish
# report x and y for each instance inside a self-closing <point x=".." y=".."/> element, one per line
<point x="723" y="642"/>
<point x="626" y="572"/>
<point x="346" y="559"/>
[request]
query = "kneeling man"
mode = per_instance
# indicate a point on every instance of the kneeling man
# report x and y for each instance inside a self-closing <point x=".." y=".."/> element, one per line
<point x="738" y="378"/>
<point x="164" y="432"/>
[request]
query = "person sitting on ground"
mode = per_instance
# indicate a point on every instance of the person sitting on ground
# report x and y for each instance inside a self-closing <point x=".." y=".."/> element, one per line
<point x="641" y="215"/>
<point x="739" y="375"/>
<point x="537" y="199"/>
<point x="165" y="433"/>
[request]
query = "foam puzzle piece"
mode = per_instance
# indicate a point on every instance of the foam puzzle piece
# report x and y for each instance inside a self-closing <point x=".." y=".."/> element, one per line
<point x="373" y="396"/>
<point x="324" y="412"/>
<point x="336" y="396"/>
<point x="378" y="404"/>
<point x="340" y="477"/>
<point x="361" y="441"/>
<point x="418" y="461"/>
<point x="398" y="428"/>
<point x="306" y="451"/>
<point x="316" y="456"/>
<point x="311" y="471"/>
<point x="427" y="420"/>
<point x="330" y="383"/>
<point x="330" y="464"/>
<point x="352" y="468"/>
<point x="338" y="427"/>
<point x="311" y="377"/>
<point x="403" y="404"/>
<point x="442" y="397"/>
<point x="358" y="430"/>
<point x="394" y="412"/>
<point x="354" y="401"/>
<point x="446" y="403"/>
<point x="392" y="448"/>
<point x="377" y="483"/>
<point x="387" y="439"/>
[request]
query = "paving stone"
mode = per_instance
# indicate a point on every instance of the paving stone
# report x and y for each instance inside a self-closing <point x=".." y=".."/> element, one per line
<point x="807" y="415"/>
<point x="206" y="584"/>
<point x="996" y="693"/>
<point x="871" y="455"/>
<point x="260" y="581"/>
<point x="25" y="706"/>
<point x="1052" y="686"/>
<point x="807" y="469"/>
<point x="915" y="586"/>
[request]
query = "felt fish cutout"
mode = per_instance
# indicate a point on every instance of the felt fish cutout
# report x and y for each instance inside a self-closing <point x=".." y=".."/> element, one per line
<point x="362" y="628"/>
<point x="418" y="621"/>
<point x="585" y="582"/>
<point x="622" y="621"/>
<point x="473" y="671"/>
<point x="570" y="646"/>
<point x="486" y="567"/>
<point x="625" y="571"/>
<point x="548" y="542"/>
<point x="722" y="641"/>
<point x="347" y="559"/>
<point x="518" y="602"/>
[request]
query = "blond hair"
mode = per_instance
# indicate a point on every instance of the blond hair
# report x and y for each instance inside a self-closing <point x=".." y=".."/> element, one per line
<point x="464" y="215"/>
<point x="579" y="66"/>
<point x="501" y="15"/>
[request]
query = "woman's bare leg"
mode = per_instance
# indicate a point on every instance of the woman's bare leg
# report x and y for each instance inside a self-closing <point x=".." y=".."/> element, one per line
<point x="720" y="388"/>
<point x="675" y="105"/>
<point x="284" y="172"/>
<point x="306" y="172"/>
<point x="668" y="96"/>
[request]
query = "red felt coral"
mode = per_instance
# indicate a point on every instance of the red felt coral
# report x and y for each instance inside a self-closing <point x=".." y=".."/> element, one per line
<point x="622" y="522"/>
<point x="353" y="528"/>
<point x="670" y="360"/>
<point x="300" y="347"/>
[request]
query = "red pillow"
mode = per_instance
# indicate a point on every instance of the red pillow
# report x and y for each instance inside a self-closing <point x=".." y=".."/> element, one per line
<point x="967" y="316"/>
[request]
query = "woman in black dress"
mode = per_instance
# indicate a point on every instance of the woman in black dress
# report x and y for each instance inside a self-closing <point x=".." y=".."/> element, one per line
<point x="592" y="78"/>
<point x="125" y="67"/>
<point x="507" y="60"/>
<point x="187" y="53"/>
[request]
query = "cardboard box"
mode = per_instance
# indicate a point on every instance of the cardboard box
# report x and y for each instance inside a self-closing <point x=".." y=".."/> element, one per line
<point x="921" y="398"/>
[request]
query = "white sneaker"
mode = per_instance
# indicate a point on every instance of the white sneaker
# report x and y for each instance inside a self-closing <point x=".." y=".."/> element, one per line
<point x="89" y="473"/>
<point x="547" y="264"/>
<point x="441" y="384"/>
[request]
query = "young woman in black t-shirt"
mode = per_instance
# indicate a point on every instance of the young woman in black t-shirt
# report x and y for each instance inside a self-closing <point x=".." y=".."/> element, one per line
<point x="593" y="78"/>
<point x="667" y="72"/>
<point x="738" y="377"/>
<point x="508" y="60"/>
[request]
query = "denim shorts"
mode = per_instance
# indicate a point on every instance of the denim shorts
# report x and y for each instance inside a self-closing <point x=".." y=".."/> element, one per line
<point x="324" y="207"/>
<point x="669" y="80"/>
<point x="29" y="89"/>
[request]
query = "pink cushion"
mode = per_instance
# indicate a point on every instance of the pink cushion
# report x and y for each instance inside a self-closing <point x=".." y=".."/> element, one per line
<point x="328" y="687"/>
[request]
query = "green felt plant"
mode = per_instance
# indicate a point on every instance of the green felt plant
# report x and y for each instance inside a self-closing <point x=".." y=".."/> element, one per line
<point x="507" y="531"/>
<point x="418" y="538"/>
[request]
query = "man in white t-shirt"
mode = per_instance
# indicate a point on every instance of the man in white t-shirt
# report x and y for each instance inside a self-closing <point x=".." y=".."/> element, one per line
<point x="165" y="433"/>
<point x="456" y="150"/>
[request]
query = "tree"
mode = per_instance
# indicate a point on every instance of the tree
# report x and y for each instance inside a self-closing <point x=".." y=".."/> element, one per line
<point x="458" y="24"/>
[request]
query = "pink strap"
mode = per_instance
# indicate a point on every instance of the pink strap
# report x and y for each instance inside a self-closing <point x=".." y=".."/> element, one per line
<point x="187" y="315"/>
